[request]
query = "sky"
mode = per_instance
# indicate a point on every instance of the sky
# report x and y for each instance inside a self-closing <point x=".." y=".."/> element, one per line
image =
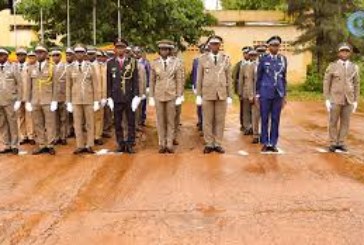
<point x="211" y="4"/>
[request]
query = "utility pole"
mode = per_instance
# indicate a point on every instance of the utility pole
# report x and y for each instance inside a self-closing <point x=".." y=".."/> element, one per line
<point x="119" y="20"/>
<point x="68" y="25"/>
<point x="94" y="19"/>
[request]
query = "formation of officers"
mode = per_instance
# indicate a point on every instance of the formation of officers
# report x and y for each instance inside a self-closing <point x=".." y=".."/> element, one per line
<point x="44" y="101"/>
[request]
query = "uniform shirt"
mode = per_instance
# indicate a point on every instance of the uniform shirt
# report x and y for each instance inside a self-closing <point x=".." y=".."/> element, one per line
<point x="272" y="76"/>
<point x="10" y="84"/>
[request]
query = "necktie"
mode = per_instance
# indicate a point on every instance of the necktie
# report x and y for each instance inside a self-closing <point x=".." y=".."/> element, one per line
<point x="121" y="63"/>
<point x="2" y="67"/>
<point x="21" y="67"/>
<point x="165" y="65"/>
<point x="79" y="66"/>
<point x="40" y="66"/>
<point x="215" y="59"/>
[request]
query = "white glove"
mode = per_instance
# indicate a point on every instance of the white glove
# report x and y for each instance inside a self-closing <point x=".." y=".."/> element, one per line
<point x="151" y="102"/>
<point x="179" y="100"/>
<point x="355" y="106"/>
<point x="69" y="107"/>
<point x="54" y="106"/>
<point x="103" y="102"/>
<point x="135" y="103"/>
<point x="147" y="90"/>
<point x="229" y="101"/>
<point x="328" y="105"/>
<point x="17" y="105"/>
<point x="96" y="106"/>
<point x="194" y="90"/>
<point x="144" y="97"/>
<point x="110" y="102"/>
<point x="28" y="107"/>
<point x="198" y="100"/>
<point x="183" y="98"/>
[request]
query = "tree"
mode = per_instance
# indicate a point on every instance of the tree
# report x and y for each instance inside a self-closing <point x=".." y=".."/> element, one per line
<point x="324" y="26"/>
<point x="143" y="21"/>
<point x="253" y="4"/>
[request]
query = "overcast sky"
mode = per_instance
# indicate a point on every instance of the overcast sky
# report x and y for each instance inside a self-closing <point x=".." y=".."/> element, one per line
<point x="211" y="4"/>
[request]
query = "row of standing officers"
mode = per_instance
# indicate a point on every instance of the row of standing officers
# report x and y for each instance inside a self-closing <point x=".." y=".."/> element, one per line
<point x="54" y="98"/>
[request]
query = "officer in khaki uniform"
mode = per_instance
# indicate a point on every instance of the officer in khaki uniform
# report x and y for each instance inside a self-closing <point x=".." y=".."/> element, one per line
<point x="70" y="58"/>
<point x="25" y="122"/>
<point x="42" y="101"/>
<point x="100" y="68"/>
<point x="245" y="105"/>
<point x="214" y="93"/>
<point x="177" y="119"/>
<point x="10" y="102"/>
<point x="166" y="93"/>
<point x="83" y="99"/>
<point x="341" y="90"/>
<point x="251" y="86"/>
<point x="239" y="84"/>
<point x="60" y="82"/>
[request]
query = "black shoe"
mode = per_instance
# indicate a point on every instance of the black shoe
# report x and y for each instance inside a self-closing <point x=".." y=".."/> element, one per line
<point x="51" y="151"/>
<point x="99" y="142"/>
<point x="175" y="142"/>
<point x="332" y="148"/>
<point x="129" y="149"/>
<point x="39" y="151"/>
<point x="265" y="148"/>
<point x="63" y="142"/>
<point x="255" y="141"/>
<point x="15" y="151"/>
<point x="169" y="150"/>
<point x="162" y="150"/>
<point x="89" y="150"/>
<point x="274" y="149"/>
<point x="6" y="151"/>
<point x="24" y="141"/>
<point x="208" y="150"/>
<point x="31" y="142"/>
<point x="71" y="135"/>
<point x="121" y="148"/>
<point x="342" y="148"/>
<point x="79" y="151"/>
<point x="106" y="136"/>
<point x="219" y="149"/>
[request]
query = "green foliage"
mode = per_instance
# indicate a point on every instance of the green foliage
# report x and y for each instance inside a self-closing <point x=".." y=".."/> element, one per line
<point x="313" y="81"/>
<point x="143" y="21"/>
<point x="253" y="4"/>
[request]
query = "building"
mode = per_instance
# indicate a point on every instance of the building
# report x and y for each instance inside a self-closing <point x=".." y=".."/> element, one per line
<point x="247" y="28"/>
<point x="25" y="33"/>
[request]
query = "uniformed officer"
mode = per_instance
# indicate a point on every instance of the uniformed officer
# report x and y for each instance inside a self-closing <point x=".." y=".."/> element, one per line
<point x="341" y="90"/>
<point x="91" y="54"/>
<point x="70" y="57"/>
<point x="271" y="92"/>
<point x="61" y="112"/>
<point x="165" y="93"/>
<point x="32" y="58"/>
<point x="123" y="94"/>
<point x="83" y="99"/>
<point x="177" y="118"/>
<point x="25" y="122"/>
<point x="251" y="80"/>
<point x="100" y="67"/>
<point x="203" y="49"/>
<point x="42" y="101"/>
<point x="10" y="102"/>
<point x="245" y="105"/>
<point x="214" y="93"/>
<point x="145" y="63"/>
<point x="142" y="76"/>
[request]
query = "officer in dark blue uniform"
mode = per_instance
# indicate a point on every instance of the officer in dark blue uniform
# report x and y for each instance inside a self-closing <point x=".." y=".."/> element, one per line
<point x="271" y="93"/>
<point x="123" y="93"/>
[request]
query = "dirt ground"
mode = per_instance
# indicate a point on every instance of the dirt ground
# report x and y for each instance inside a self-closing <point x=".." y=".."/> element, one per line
<point x="303" y="196"/>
